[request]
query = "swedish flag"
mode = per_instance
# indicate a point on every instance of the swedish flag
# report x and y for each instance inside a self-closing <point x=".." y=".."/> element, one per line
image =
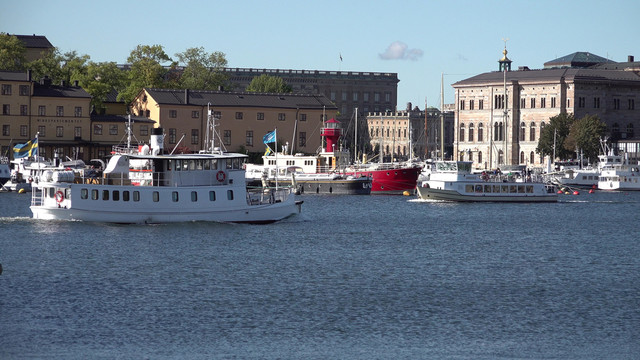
<point x="30" y="148"/>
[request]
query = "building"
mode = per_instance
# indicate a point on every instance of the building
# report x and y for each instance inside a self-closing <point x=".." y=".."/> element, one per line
<point x="367" y="91"/>
<point x="500" y="115"/>
<point x="409" y="134"/>
<point x="242" y="119"/>
<point x="35" y="46"/>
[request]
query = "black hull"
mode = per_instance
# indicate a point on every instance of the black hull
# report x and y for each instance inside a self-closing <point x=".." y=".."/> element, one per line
<point x="360" y="186"/>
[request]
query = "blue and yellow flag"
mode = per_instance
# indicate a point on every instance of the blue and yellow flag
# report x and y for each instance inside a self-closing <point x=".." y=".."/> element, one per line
<point x="270" y="137"/>
<point x="267" y="151"/>
<point x="30" y="148"/>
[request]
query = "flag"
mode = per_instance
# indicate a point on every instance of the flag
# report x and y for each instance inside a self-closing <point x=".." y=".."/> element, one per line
<point x="340" y="56"/>
<point x="267" y="152"/>
<point x="270" y="137"/>
<point x="30" y="148"/>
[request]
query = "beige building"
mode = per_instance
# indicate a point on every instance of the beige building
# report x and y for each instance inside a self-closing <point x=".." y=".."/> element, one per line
<point x="242" y="118"/>
<point x="500" y="115"/>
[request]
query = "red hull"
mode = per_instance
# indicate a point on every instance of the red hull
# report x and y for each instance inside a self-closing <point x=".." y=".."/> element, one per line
<point x="391" y="181"/>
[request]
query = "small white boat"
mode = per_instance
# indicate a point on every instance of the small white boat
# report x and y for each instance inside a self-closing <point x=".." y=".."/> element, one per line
<point x="622" y="176"/>
<point x="184" y="187"/>
<point x="453" y="181"/>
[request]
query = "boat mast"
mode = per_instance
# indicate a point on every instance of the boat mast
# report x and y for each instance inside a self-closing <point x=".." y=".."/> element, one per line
<point x="442" y="116"/>
<point x="355" y="146"/>
<point x="426" y="131"/>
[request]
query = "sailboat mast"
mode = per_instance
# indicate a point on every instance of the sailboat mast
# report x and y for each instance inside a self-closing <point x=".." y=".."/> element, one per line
<point x="442" y="116"/>
<point x="355" y="146"/>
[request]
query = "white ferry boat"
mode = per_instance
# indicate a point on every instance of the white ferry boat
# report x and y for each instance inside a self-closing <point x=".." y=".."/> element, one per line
<point x="453" y="181"/>
<point x="622" y="176"/>
<point x="185" y="187"/>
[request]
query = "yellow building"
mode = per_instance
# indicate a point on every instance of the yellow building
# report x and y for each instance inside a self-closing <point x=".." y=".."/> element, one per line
<point x="242" y="118"/>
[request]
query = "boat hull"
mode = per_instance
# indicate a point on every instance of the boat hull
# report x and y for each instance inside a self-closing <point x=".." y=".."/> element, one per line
<point x="426" y="193"/>
<point x="390" y="181"/>
<point x="361" y="186"/>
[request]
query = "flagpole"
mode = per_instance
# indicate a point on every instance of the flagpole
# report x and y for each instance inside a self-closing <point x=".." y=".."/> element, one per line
<point x="275" y="132"/>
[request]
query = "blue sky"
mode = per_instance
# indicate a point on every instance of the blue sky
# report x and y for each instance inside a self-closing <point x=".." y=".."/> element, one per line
<point x="419" y="40"/>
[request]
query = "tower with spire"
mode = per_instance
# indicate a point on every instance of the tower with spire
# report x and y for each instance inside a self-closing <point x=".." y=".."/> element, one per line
<point x="505" y="63"/>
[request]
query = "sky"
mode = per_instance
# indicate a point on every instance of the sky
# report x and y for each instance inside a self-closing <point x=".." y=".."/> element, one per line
<point x="423" y="41"/>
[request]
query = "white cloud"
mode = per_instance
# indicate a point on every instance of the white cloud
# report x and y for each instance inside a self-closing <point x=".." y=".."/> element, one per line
<point x="400" y="51"/>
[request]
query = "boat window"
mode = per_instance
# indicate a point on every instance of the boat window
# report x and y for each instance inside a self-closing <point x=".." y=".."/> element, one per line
<point x="207" y="164"/>
<point x="192" y="165"/>
<point x="513" y="189"/>
<point x="178" y="165"/>
<point x="530" y="189"/>
<point x="230" y="194"/>
<point x="468" y="188"/>
<point x="169" y="165"/>
<point x="504" y="189"/>
<point x="487" y="188"/>
<point x="174" y="196"/>
<point x="136" y="196"/>
<point x="116" y="195"/>
<point x="214" y="164"/>
<point x="212" y="195"/>
<point x="185" y="165"/>
<point x="156" y="196"/>
<point x="521" y="189"/>
<point x="194" y="196"/>
<point x="105" y="194"/>
<point x="94" y="194"/>
<point x="236" y="163"/>
<point x="52" y="192"/>
<point x="496" y="188"/>
<point x="229" y="164"/>
<point x="125" y="195"/>
<point x="84" y="193"/>
<point x="478" y="188"/>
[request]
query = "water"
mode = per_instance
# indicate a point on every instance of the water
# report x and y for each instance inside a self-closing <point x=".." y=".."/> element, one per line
<point x="353" y="277"/>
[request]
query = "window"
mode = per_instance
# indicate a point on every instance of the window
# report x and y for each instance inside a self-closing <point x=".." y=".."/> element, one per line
<point x="42" y="130"/>
<point x="632" y="104"/>
<point x="172" y="136"/>
<point x="581" y="102"/>
<point x="194" y="196"/>
<point x="521" y="157"/>
<point x="355" y="96"/>
<point x="77" y="111"/>
<point x="461" y="104"/>
<point x="212" y="196"/>
<point x="24" y="110"/>
<point x="113" y="129"/>
<point x="553" y="102"/>
<point x="239" y="115"/>
<point x="344" y="96"/>
<point x="616" y="104"/>
<point x="97" y="129"/>
<point x="461" y="138"/>
<point x="471" y="104"/>
<point x="533" y="103"/>
<point x="6" y="130"/>
<point x="376" y="97"/>
<point x="116" y="195"/>
<point x="302" y="139"/>
<point x="480" y="104"/>
<point x="194" y="136"/>
<point x="23" y="131"/>
<point x="260" y="116"/>
<point x="84" y="194"/>
<point x="479" y="157"/>
<point x="365" y="96"/>
<point x="543" y="103"/>
<point x="226" y="139"/>
<point x="629" y="130"/>
<point x="282" y="117"/>
<point x="480" y="132"/>
<point x="174" y="196"/>
<point x="532" y="132"/>
<point x="471" y="128"/>
<point x="59" y="131"/>
<point x="229" y="194"/>
<point x="523" y="103"/>
<point x="105" y="195"/>
<point x="249" y="138"/>
<point x="24" y="90"/>
<point x="6" y="89"/>
<point x="59" y="110"/>
<point x="387" y="96"/>
<point x="195" y="114"/>
<point x="303" y="117"/>
<point x="42" y="110"/>
<point x="144" y="130"/>
<point x="522" y="133"/>
<point x="6" y="109"/>
<point x="156" y="196"/>
<point x="136" y="196"/>
<point x="596" y="102"/>
<point x="94" y="194"/>
<point x="532" y="157"/>
<point x="333" y="96"/>
<point x="125" y="195"/>
<point x="173" y="114"/>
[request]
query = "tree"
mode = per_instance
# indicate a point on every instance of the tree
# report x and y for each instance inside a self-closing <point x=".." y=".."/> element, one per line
<point x="269" y="84"/>
<point x="146" y="70"/>
<point x="558" y="128"/>
<point x="12" y="53"/>
<point x="59" y="67"/>
<point x="100" y="80"/>
<point x="585" y="135"/>
<point x="202" y="71"/>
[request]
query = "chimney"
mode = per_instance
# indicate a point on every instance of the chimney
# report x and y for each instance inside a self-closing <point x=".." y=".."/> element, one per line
<point x="46" y="81"/>
<point x="75" y="83"/>
<point x="186" y="96"/>
<point x="630" y="58"/>
<point x="63" y="83"/>
<point x="157" y="141"/>
<point x="28" y="74"/>
<point x="220" y="88"/>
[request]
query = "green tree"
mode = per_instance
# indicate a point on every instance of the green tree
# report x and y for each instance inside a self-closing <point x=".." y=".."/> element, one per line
<point x="59" y="67"/>
<point x="100" y="80"/>
<point x="269" y="84"/>
<point x="585" y="135"/>
<point x="558" y="128"/>
<point x="202" y="71"/>
<point x="146" y="70"/>
<point x="12" y="53"/>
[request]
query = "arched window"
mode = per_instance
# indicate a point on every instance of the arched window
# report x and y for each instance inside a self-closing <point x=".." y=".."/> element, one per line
<point x="542" y="125"/>
<point x="496" y="132"/>
<point x="480" y="157"/>
<point x="521" y="157"/>
<point x="532" y="158"/>
<point x="404" y="150"/>
<point x="399" y="153"/>
<point x="480" y="132"/>
<point x="470" y="133"/>
<point x="615" y="130"/>
<point x="501" y="128"/>
<point x="522" y="131"/>
<point x="532" y="131"/>
<point x="629" y="130"/>
<point x="461" y="139"/>
<point x="500" y="157"/>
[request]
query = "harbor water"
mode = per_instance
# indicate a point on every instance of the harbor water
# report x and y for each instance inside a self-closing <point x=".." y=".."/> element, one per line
<point x="352" y="277"/>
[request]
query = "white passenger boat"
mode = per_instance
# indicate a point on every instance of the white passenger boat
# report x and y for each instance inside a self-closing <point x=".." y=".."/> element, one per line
<point x="184" y="187"/>
<point x="453" y="181"/>
<point x="623" y="176"/>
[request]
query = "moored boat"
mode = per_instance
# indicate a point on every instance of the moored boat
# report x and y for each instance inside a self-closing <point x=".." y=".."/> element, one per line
<point x="208" y="186"/>
<point x="621" y="176"/>
<point x="453" y="181"/>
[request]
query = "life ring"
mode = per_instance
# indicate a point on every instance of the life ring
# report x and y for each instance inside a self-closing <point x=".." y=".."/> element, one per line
<point x="220" y="176"/>
<point x="30" y="179"/>
<point x="59" y="196"/>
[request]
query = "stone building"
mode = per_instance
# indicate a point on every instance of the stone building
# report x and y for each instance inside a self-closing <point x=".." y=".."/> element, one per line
<point x="242" y="118"/>
<point x="500" y="115"/>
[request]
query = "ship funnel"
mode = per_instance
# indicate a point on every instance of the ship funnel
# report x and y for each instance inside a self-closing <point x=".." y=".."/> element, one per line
<point x="157" y="141"/>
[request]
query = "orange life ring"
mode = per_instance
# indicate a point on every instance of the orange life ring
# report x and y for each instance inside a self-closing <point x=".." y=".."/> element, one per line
<point x="59" y="196"/>
<point x="220" y="176"/>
